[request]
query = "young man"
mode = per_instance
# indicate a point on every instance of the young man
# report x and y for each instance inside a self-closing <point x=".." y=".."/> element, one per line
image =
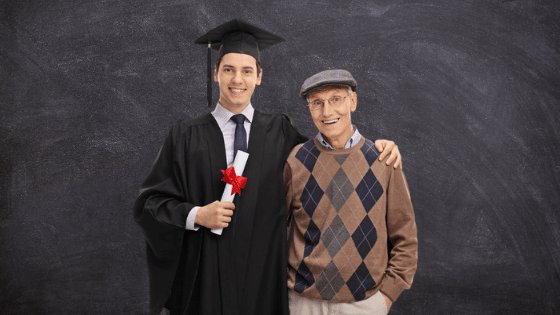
<point x="242" y="271"/>
<point x="352" y="239"/>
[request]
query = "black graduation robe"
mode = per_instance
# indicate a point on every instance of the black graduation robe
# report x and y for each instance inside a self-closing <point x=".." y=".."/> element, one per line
<point x="243" y="271"/>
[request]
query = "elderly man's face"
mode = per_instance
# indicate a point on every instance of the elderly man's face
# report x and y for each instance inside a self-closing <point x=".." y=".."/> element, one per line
<point x="333" y="117"/>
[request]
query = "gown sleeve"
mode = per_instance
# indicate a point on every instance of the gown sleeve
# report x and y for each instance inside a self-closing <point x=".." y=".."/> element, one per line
<point x="291" y="134"/>
<point x="293" y="138"/>
<point x="161" y="209"/>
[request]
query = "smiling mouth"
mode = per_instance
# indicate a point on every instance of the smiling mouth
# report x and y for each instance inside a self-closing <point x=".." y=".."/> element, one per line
<point x="330" y="121"/>
<point x="237" y="90"/>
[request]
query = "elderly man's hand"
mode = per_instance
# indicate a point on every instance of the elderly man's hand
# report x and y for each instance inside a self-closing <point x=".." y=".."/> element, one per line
<point x="389" y="150"/>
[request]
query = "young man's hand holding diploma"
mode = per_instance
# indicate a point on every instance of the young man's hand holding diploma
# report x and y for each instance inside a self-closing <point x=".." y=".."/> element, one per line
<point x="215" y="215"/>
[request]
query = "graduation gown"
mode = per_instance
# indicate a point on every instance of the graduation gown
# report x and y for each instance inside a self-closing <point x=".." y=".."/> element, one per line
<point x="244" y="270"/>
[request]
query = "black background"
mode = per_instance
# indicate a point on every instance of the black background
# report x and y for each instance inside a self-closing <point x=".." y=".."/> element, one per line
<point x="470" y="90"/>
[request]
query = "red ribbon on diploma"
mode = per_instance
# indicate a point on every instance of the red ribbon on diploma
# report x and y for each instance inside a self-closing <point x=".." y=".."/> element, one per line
<point x="237" y="182"/>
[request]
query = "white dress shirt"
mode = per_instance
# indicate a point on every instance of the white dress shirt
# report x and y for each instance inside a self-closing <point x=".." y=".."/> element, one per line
<point x="354" y="139"/>
<point x="227" y="126"/>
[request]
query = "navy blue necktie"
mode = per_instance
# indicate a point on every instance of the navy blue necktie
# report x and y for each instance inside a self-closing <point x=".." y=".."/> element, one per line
<point x="240" y="141"/>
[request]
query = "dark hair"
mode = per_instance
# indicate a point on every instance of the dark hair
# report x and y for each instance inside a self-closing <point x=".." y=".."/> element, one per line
<point x="217" y="65"/>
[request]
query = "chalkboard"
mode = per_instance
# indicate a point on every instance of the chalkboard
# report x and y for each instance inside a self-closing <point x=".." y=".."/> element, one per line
<point x="470" y="91"/>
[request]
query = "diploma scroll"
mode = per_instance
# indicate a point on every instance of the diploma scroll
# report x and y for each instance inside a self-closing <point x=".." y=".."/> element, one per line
<point x="239" y="165"/>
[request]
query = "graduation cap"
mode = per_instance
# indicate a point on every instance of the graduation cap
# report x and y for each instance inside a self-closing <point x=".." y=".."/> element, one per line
<point x="235" y="36"/>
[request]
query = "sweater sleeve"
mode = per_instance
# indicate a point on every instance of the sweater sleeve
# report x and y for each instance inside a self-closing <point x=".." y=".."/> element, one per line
<point x="403" y="241"/>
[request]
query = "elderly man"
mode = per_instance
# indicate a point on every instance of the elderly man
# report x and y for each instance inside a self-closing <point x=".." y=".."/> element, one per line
<point x="352" y="240"/>
<point x="242" y="271"/>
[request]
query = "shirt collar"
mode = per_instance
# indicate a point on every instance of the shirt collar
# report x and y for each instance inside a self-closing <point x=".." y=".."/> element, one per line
<point x="354" y="139"/>
<point x="223" y="115"/>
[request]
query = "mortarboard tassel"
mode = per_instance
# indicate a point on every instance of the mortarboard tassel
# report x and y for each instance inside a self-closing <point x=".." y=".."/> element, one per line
<point x="209" y="79"/>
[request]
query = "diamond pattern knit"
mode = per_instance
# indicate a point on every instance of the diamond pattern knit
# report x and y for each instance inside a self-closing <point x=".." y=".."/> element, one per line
<point x="341" y="228"/>
<point x="335" y="235"/>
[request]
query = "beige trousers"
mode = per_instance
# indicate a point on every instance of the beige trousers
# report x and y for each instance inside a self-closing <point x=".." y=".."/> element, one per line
<point x="299" y="305"/>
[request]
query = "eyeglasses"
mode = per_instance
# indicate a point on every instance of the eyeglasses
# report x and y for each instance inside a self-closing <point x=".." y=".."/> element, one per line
<point x="334" y="101"/>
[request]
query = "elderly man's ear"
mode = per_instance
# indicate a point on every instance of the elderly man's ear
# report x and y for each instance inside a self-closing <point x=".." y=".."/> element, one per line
<point x="354" y="98"/>
<point x="389" y="150"/>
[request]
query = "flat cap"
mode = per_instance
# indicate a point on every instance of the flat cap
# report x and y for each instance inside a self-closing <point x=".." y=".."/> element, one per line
<point x="327" y="77"/>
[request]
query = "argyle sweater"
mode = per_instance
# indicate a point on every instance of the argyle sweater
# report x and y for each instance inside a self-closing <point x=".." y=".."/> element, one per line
<point x="353" y="230"/>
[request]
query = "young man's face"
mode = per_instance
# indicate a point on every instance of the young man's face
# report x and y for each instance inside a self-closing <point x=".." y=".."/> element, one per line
<point x="334" y="121"/>
<point x="237" y="77"/>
